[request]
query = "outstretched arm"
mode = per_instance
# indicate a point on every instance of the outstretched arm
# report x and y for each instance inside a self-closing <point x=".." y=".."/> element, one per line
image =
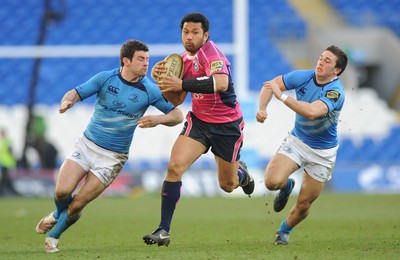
<point x="172" y="118"/>
<point x="308" y="110"/>
<point x="69" y="99"/>
<point x="266" y="96"/>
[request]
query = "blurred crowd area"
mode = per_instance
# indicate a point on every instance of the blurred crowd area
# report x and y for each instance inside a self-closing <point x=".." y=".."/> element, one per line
<point x="66" y="42"/>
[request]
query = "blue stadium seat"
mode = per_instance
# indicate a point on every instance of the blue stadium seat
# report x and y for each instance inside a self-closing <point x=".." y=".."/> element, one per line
<point x="347" y="150"/>
<point x="367" y="151"/>
<point x="20" y="22"/>
<point x="100" y="22"/>
<point x="362" y="13"/>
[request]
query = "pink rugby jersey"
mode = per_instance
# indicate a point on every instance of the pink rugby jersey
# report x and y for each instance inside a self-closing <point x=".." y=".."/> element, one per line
<point x="221" y="107"/>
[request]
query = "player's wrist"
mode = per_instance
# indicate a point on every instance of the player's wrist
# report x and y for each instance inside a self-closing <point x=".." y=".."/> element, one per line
<point x="283" y="98"/>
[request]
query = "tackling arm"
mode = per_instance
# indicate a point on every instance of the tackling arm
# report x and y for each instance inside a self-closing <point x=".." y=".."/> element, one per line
<point x="266" y="96"/>
<point x="308" y="110"/>
<point x="172" y="118"/>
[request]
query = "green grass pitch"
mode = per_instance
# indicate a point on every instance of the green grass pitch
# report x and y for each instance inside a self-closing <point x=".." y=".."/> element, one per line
<point x="340" y="226"/>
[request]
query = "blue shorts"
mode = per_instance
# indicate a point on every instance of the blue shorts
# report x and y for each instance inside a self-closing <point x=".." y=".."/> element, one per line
<point x="225" y="139"/>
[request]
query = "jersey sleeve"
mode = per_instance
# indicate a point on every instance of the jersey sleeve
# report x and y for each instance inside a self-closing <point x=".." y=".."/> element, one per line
<point x="297" y="78"/>
<point x="333" y="96"/>
<point x="92" y="86"/>
<point x="213" y="60"/>
<point x="156" y="98"/>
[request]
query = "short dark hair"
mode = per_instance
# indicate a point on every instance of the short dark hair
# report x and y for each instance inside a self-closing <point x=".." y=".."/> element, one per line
<point x="129" y="48"/>
<point x="196" y="18"/>
<point x="342" y="59"/>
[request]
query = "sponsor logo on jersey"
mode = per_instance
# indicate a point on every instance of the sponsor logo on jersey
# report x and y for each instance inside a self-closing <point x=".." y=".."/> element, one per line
<point x="332" y="94"/>
<point x="216" y="66"/>
<point x="134" y="98"/>
<point x="119" y="111"/>
<point x="119" y="104"/>
<point x="113" y="90"/>
<point x="302" y="91"/>
<point x="195" y="65"/>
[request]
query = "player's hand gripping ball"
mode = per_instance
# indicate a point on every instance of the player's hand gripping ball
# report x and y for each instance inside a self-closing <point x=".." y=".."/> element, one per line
<point x="174" y="65"/>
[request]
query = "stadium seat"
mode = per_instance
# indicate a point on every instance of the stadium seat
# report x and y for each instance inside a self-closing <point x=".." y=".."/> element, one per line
<point x="347" y="150"/>
<point x="361" y="13"/>
<point x="85" y="23"/>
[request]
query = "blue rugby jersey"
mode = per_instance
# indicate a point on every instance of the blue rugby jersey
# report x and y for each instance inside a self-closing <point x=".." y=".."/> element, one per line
<point x="119" y="106"/>
<point x="320" y="133"/>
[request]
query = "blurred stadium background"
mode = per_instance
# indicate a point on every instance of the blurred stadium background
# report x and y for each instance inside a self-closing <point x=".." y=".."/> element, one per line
<point x="48" y="47"/>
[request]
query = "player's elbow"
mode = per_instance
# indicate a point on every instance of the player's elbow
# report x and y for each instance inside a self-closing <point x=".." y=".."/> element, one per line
<point x="221" y="82"/>
<point x="312" y="115"/>
<point x="176" y="102"/>
<point x="309" y="116"/>
<point x="315" y="110"/>
<point x="222" y="88"/>
<point x="177" y="117"/>
<point x="180" y="117"/>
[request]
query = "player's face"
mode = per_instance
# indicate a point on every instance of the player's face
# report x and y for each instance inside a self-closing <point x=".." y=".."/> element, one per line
<point x="326" y="65"/>
<point x="139" y="65"/>
<point x="193" y="37"/>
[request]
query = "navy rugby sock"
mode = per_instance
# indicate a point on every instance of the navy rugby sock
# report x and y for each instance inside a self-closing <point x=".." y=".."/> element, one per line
<point x="170" y="194"/>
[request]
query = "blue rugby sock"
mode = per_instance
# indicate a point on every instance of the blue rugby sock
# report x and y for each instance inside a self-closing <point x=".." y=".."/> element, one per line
<point x="284" y="227"/>
<point x="288" y="185"/>
<point x="61" y="205"/>
<point x="170" y="194"/>
<point x="63" y="223"/>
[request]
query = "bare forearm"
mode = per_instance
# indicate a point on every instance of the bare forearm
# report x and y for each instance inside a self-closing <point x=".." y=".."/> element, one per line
<point x="69" y="99"/>
<point x="305" y="109"/>
<point x="264" y="99"/>
<point x="71" y="96"/>
<point x="172" y="118"/>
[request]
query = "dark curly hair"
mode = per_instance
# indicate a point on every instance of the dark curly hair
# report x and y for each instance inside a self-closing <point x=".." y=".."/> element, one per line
<point x="196" y="18"/>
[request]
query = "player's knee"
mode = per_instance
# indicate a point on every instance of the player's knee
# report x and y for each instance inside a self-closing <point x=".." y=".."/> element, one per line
<point x="227" y="186"/>
<point x="76" y="207"/>
<point x="274" y="183"/>
<point x="303" y="207"/>
<point x="61" y="194"/>
<point x="175" y="171"/>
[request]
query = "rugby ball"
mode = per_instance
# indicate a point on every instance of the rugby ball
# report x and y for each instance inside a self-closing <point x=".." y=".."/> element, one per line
<point x="174" y="65"/>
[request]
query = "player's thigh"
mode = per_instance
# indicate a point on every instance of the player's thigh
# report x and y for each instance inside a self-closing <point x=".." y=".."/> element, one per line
<point x="279" y="169"/>
<point x="184" y="153"/>
<point x="310" y="191"/>
<point x="69" y="176"/>
<point x="227" y="171"/>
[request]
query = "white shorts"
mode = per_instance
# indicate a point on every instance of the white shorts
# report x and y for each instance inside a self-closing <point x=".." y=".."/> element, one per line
<point x="318" y="163"/>
<point x="103" y="163"/>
